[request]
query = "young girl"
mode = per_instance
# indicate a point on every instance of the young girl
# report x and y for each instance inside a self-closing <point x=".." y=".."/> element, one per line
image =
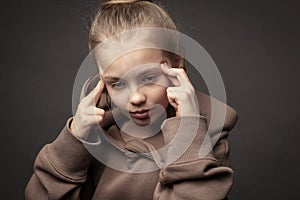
<point x="136" y="93"/>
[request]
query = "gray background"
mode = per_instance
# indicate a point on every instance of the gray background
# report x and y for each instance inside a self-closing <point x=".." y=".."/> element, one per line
<point x="254" y="43"/>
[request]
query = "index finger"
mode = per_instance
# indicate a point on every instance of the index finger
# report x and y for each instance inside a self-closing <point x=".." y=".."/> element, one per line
<point x="177" y="75"/>
<point x="94" y="95"/>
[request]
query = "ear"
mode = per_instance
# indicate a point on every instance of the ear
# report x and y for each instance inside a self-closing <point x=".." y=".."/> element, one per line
<point x="178" y="62"/>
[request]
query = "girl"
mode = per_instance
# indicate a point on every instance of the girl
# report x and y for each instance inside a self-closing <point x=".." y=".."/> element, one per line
<point x="128" y="101"/>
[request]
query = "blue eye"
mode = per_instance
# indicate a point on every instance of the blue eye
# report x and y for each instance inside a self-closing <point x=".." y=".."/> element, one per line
<point x="149" y="78"/>
<point x="118" y="85"/>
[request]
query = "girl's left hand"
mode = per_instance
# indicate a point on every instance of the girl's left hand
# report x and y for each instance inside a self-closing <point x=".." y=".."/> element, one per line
<point x="182" y="95"/>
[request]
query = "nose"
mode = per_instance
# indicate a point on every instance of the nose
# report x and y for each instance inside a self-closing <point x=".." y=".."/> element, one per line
<point x="137" y="97"/>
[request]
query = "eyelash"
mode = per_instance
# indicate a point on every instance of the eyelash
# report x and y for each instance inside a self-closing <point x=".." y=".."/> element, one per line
<point x="146" y="79"/>
<point x="152" y="78"/>
<point x="115" y="85"/>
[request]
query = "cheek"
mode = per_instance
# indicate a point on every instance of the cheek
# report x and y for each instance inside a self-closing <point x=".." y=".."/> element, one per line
<point x="157" y="95"/>
<point x="118" y="97"/>
<point x="157" y="92"/>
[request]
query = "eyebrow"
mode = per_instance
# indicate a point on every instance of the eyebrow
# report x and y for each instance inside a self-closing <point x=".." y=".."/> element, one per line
<point x="110" y="78"/>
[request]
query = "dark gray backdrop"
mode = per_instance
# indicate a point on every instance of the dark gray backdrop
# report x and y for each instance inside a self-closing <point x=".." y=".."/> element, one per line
<point x="254" y="43"/>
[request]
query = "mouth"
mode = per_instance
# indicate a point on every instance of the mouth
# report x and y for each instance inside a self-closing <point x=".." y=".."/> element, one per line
<point x="140" y="114"/>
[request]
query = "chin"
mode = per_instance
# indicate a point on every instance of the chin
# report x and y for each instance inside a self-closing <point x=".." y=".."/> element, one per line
<point x="140" y="122"/>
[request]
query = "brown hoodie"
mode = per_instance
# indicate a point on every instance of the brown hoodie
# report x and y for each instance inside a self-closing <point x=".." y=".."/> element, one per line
<point x="65" y="169"/>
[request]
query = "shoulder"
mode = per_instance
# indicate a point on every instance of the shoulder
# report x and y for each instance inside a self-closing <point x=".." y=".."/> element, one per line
<point x="220" y="116"/>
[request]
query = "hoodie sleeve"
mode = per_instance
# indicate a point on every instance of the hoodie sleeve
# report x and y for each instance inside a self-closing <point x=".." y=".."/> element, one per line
<point x="196" y="175"/>
<point x="60" y="169"/>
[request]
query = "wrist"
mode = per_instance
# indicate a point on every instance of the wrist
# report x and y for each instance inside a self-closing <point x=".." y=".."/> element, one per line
<point x="72" y="128"/>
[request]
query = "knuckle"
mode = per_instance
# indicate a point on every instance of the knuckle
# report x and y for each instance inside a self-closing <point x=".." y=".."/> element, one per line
<point x="102" y="112"/>
<point x="180" y="70"/>
<point x="83" y="100"/>
<point x="189" y="92"/>
<point x="99" y="111"/>
<point x="184" y="95"/>
<point x="100" y="118"/>
<point x="85" y="120"/>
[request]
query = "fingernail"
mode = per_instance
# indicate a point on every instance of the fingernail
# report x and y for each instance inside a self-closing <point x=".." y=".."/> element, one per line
<point x="165" y="66"/>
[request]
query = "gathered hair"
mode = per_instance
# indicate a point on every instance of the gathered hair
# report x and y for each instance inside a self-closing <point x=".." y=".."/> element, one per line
<point x="116" y="16"/>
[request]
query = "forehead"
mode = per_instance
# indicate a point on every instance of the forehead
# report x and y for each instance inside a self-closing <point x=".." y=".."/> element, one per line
<point x="133" y="60"/>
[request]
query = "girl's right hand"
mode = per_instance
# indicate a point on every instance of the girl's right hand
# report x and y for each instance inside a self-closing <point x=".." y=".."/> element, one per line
<point x="87" y="114"/>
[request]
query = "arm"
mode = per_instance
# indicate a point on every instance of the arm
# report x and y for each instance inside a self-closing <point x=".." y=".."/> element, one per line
<point x="202" y="171"/>
<point x="60" y="169"/>
<point x="192" y="177"/>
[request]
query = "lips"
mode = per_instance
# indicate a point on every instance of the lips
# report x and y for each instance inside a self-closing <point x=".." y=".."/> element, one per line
<point x="140" y="114"/>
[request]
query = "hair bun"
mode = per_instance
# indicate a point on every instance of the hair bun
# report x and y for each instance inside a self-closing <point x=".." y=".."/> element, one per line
<point x="124" y="1"/>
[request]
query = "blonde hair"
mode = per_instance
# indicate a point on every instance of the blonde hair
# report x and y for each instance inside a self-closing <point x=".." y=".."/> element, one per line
<point x="116" y="16"/>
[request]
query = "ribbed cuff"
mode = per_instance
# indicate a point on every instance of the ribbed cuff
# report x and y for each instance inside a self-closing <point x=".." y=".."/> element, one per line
<point x="92" y="139"/>
<point x="184" y="135"/>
